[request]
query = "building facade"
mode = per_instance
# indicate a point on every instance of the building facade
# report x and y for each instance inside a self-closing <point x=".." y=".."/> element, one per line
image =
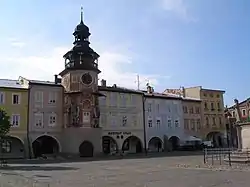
<point x="121" y="120"/>
<point x="163" y="122"/>
<point x="212" y="112"/>
<point x="192" y="117"/>
<point x="14" y="100"/>
<point x="45" y="122"/>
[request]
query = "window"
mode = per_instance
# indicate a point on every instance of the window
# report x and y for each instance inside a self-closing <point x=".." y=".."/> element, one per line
<point x="211" y="95"/>
<point x="214" y="121"/>
<point x="218" y="95"/>
<point x="169" y="123"/>
<point x="16" y="99"/>
<point x="243" y="112"/>
<point x="52" y="97"/>
<point x="2" y="98"/>
<point x="124" y="121"/>
<point x="218" y="106"/>
<point x="185" y="109"/>
<point x="39" y="96"/>
<point x="207" y="122"/>
<point x="15" y="120"/>
<point x="205" y="95"/>
<point x="149" y="107"/>
<point x="186" y="123"/>
<point x="86" y="117"/>
<point x="212" y="106"/>
<point x="122" y="100"/>
<point x="220" y="121"/>
<point x="158" y="123"/>
<point x="113" y="120"/>
<point x="198" y="122"/>
<point x="39" y="120"/>
<point x="113" y="99"/>
<point x="102" y="101"/>
<point x="158" y="107"/>
<point x="191" y="110"/>
<point x="197" y="110"/>
<point x="192" y="124"/>
<point x="134" y="120"/>
<point x="205" y="106"/>
<point x="52" y="120"/>
<point x="176" y="122"/>
<point x="5" y="146"/>
<point x="150" y="123"/>
<point x="233" y="114"/>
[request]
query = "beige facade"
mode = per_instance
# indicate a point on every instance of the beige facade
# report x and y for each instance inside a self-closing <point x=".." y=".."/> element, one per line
<point x="121" y="120"/>
<point x="212" y="111"/>
<point x="192" y="117"/>
<point x="45" y="123"/>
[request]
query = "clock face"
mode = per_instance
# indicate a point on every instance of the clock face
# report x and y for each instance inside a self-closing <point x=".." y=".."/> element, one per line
<point x="87" y="78"/>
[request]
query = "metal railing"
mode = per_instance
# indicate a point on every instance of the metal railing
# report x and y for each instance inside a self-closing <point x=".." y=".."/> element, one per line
<point x="219" y="156"/>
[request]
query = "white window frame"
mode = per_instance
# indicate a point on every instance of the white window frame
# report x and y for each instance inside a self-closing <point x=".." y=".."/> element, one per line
<point x="113" y="99"/>
<point x="52" y="98"/>
<point x="19" y="98"/>
<point x="149" y="107"/>
<point x="177" y="123"/>
<point x="2" y="98"/>
<point x="52" y="120"/>
<point x="85" y="116"/>
<point x="243" y="112"/>
<point x="38" y="119"/>
<point x="150" y="123"/>
<point x="15" y="118"/>
<point x="113" y="120"/>
<point x="124" y="121"/>
<point x="39" y="97"/>
<point x="169" y="123"/>
<point x="74" y="79"/>
<point x="158" y="122"/>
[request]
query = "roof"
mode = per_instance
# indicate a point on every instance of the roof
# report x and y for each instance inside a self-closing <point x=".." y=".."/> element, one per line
<point x="45" y="83"/>
<point x="184" y="98"/>
<point x="240" y="103"/>
<point x="162" y="96"/>
<point x="119" y="89"/>
<point x="8" y="83"/>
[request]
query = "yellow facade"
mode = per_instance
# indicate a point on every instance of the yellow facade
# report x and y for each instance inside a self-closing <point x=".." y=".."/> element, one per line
<point x="16" y="108"/>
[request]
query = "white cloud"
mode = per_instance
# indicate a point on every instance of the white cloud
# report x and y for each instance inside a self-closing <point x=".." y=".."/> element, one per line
<point x="44" y="67"/>
<point x="179" y="8"/>
<point x="16" y="43"/>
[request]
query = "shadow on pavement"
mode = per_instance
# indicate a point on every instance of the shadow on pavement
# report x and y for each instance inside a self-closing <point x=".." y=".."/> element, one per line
<point x="36" y="168"/>
<point x="107" y="157"/>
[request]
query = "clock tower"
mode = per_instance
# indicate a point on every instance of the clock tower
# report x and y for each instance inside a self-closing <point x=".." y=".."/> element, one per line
<point x="80" y="81"/>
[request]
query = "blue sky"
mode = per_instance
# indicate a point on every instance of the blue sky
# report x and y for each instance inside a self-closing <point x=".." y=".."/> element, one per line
<point x="171" y="43"/>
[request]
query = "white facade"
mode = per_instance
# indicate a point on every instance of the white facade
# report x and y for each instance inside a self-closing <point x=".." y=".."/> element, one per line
<point x="164" y="121"/>
<point x="121" y="119"/>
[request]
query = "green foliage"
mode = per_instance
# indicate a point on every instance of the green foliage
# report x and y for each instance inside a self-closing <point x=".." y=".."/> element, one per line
<point x="4" y="122"/>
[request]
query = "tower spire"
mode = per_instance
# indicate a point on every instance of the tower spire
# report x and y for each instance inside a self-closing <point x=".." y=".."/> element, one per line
<point x="81" y="14"/>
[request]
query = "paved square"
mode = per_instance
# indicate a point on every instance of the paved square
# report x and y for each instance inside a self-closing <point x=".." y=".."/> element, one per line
<point x="151" y="172"/>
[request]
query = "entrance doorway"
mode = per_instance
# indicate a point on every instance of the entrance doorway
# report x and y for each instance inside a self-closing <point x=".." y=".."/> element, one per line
<point x="45" y="145"/>
<point x="109" y="145"/>
<point x="86" y="149"/>
<point x="132" y="145"/>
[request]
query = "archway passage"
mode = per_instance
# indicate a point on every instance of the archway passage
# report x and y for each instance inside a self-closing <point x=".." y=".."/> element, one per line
<point x="216" y="138"/>
<point x="45" y="145"/>
<point x="109" y="145"/>
<point x="155" y="144"/>
<point x="132" y="145"/>
<point x="12" y="147"/>
<point x="175" y="142"/>
<point x="86" y="149"/>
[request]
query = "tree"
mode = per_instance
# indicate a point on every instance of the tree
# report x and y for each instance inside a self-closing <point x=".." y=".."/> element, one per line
<point x="4" y="123"/>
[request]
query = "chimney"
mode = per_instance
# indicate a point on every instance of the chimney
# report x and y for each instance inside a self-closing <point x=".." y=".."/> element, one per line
<point x="183" y="91"/>
<point x="57" y="80"/>
<point x="103" y="83"/>
<point x="114" y="85"/>
<point x="150" y="90"/>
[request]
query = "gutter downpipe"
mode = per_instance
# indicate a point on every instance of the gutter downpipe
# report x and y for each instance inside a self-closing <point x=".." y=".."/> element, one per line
<point x="144" y="124"/>
<point x="28" y="122"/>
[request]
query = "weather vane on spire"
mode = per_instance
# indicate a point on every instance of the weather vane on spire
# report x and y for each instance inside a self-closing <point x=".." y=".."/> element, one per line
<point x="81" y="14"/>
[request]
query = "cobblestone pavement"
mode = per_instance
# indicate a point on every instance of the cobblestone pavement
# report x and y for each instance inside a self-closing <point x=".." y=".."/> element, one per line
<point x="180" y="171"/>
